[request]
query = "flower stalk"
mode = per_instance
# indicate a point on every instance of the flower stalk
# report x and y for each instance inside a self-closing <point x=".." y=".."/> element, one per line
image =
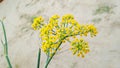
<point x="48" y="61"/>
<point x="39" y="56"/>
<point x="5" y="45"/>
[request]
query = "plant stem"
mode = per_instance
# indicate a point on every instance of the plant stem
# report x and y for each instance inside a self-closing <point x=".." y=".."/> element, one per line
<point x="46" y="65"/>
<point x="38" y="62"/>
<point x="5" y="45"/>
<point x="7" y="58"/>
<point x="5" y="38"/>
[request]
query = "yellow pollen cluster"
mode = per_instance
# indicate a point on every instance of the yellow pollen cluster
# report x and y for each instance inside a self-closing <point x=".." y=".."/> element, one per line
<point x="37" y="23"/>
<point x="58" y="31"/>
<point x="79" y="47"/>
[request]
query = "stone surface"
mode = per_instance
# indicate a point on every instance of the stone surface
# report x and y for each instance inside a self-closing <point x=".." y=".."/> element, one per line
<point x="24" y="42"/>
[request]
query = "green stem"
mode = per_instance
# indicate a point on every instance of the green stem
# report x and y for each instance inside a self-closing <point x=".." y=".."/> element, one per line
<point x="48" y="57"/>
<point x="7" y="58"/>
<point x="5" y="37"/>
<point x="5" y="45"/>
<point x="38" y="62"/>
<point x="46" y="65"/>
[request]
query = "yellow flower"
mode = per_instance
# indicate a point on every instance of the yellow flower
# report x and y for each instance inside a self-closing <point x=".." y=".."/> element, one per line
<point x="93" y="30"/>
<point x="37" y="22"/>
<point x="79" y="46"/>
<point x="56" y="32"/>
<point x="67" y="16"/>
<point x="55" y="16"/>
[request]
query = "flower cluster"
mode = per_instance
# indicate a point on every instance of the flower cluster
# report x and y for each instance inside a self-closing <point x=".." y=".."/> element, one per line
<point x="79" y="46"/>
<point x="56" y="32"/>
<point x="37" y="23"/>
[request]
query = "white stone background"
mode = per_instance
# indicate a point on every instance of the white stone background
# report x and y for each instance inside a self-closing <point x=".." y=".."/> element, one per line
<point x="24" y="42"/>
